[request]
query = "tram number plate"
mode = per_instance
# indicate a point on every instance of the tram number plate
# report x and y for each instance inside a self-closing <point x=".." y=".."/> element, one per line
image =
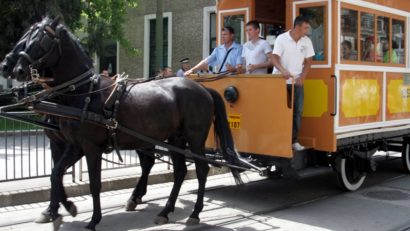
<point x="234" y="121"/>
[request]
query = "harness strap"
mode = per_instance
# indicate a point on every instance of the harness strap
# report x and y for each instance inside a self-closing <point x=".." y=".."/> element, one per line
<point x="87" y="100"/>
<point x="100" y="120"/>
<point x="72" y="81"/>
<point x="111" y="113"/>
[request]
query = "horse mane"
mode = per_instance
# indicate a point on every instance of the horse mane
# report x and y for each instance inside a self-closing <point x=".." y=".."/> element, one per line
<point x="77" y="42"/>
<point x="48" y="20"/>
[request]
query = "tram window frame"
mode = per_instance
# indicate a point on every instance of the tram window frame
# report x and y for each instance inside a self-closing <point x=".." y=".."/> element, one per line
<point x="356" y="39"/>
<point x="376" y="14"/>
<point x="403" y="40"/>
<point x="325" y="25"/>
<point x="221" y="19"/>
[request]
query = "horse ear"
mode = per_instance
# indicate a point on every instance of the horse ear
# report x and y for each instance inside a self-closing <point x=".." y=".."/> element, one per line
<point x="55" y="22"/>
<point x="50" y="31"/>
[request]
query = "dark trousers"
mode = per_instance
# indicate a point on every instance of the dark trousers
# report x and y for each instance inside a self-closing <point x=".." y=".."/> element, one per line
<point x="297" y="109"/>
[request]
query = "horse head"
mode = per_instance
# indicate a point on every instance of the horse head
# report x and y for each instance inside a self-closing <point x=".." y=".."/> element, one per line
<point x="51" y="45"/>
<point x="42" y="49"/>
<point x="10" y="60"/>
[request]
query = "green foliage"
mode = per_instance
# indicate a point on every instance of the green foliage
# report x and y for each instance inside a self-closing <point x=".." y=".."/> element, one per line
<point x="98" y="20"/>
<point x="104" y="21"/>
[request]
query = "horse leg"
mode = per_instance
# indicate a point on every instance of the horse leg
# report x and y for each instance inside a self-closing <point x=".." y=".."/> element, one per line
<point x="57" y="189"/>
<point x="180" y="170"/>
<point x="58" y="149"/>
<point x="69" y="205"/>
<point x="147" y="161"/>
<point x="202" y="170"/>
<point x="94" y="173"/>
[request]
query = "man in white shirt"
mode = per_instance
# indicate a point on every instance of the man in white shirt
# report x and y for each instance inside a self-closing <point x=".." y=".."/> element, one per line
<point x="292" y="56"/>
<point x="257" y="52"/>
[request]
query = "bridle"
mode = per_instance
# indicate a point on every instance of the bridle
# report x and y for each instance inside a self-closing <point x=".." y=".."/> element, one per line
<point x="49" y="41"/>
<point x="12" y="57"/>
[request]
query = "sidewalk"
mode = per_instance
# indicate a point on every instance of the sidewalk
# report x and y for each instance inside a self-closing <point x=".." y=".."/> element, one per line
<point x="38" y="189"/>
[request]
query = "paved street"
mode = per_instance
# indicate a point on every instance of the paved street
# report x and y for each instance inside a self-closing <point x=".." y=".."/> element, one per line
<point x="281" y="204"/>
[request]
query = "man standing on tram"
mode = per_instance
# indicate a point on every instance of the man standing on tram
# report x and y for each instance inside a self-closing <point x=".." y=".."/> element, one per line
<point x="225" y="57"/>
<point x="256" y="52"/>
<point x="292" y="56"/>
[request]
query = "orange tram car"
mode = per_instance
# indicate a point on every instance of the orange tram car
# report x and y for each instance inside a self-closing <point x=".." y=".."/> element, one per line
<point x="356" y="103"/>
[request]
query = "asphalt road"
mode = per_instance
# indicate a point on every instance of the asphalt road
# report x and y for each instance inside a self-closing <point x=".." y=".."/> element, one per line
<point x="383" y="203"/>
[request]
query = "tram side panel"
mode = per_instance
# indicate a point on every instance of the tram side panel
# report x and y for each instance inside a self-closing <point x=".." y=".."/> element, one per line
<point x="397" y="96"/>
<point x="261" y="118"/>
<point x="319" y="111"/>
<point x="375" y="99"/>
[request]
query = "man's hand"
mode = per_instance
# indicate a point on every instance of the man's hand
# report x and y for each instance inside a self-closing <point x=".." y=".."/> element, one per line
<point x="239" y="69"/>
<point x="286" y="74"/>
<point x="188" y="72"/>
<point x="299" y="81"/>
<point x="251" y="67"/>
<point x="230" y="68"/>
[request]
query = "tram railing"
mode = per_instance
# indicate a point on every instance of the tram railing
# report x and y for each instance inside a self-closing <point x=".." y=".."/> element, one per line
<point x="25" y="153"/>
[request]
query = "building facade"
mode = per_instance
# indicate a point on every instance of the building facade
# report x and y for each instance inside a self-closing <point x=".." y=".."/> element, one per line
<point x="189" y="32"/>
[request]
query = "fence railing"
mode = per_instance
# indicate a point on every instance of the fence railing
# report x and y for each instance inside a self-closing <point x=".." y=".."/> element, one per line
<point x="25" y="153"/>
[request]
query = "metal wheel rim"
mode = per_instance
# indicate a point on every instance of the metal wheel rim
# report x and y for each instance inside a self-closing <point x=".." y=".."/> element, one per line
<point x="406" y="157"/>
<point x="348" y="182"/>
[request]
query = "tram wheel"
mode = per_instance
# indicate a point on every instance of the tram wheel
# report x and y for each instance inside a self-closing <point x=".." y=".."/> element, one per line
<point x="348" y="175"/>
<point x="405" y="156"/>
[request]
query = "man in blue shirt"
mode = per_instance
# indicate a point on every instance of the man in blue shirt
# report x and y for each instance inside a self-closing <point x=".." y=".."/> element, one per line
<point x="225" y="57"/>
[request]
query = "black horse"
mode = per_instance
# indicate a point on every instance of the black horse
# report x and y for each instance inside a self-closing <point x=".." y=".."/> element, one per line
<point x="175" y="109"/>
<point x="59" y="148"/>
<point x="58" y="145"/>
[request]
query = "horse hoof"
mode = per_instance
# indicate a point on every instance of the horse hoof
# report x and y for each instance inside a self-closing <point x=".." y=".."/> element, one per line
<point x="57" y="223"/>
<point x="161" y="220"/>
<point x="130" y="205"/>
<point x="43" y="218"/>
<point x="72" y="210"/>
<point x="192" y="221"/>
<point x="87" y="229"/>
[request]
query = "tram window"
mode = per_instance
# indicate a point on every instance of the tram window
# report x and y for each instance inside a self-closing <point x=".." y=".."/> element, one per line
<point x="349" y="35"/>
<point x="367" y="40"/>
<point x="317" y="34"/>
<point x="237" y="22"/>
<point x="397" y="54"/>
<point x="383" y="39"/>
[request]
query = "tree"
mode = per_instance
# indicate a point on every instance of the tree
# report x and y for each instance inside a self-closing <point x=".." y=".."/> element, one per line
<point x="98" y="20"/>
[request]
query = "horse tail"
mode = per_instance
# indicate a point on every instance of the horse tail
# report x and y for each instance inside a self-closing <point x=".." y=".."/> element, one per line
<point x="224" y="135"/>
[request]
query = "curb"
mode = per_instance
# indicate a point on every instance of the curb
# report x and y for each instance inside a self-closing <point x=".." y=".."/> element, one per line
<point x="35" y="195"/>
<point x="31" y="132"/>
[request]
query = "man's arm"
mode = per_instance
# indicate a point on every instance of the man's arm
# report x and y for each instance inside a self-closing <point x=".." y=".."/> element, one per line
<point x="278" y="65"/>
<point x="200" y="66"/>
<point x="266" y="64"/>
<point x="306" y="68"/>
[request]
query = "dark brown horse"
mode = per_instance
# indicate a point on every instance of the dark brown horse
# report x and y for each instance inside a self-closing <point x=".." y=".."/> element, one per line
<point x="58" y="145"/>
<point x="60" y="148"/>
<point x="175" y="109"/>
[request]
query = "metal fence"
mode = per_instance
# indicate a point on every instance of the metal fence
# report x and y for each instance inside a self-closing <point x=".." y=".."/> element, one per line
<point x="25" y="153"/>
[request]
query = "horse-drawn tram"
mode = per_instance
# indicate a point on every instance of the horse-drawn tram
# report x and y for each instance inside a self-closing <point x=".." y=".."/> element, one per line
<point x="356" y="94"/>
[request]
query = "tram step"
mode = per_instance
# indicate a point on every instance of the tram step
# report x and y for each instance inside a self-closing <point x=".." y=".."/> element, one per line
<point x="309" y="172"/>
<point x="395" y="147"/>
